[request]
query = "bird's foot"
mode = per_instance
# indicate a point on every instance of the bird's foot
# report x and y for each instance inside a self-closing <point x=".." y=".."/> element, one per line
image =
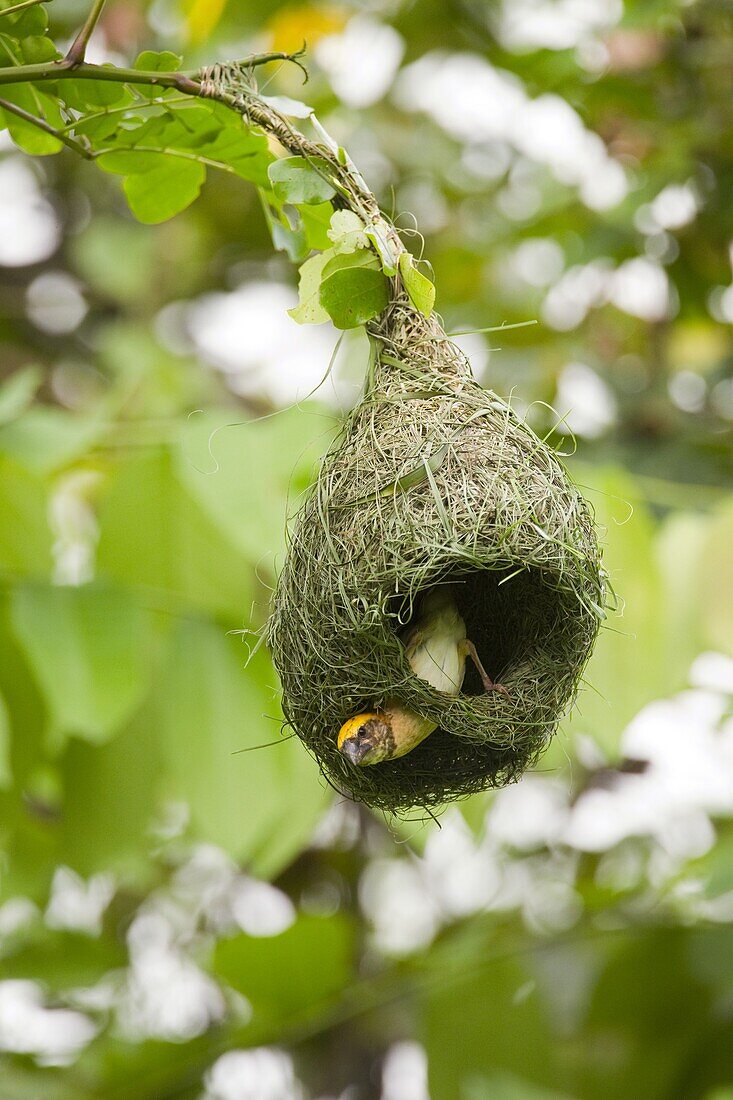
<point x="486" y="680"/>
<point x="489" y="685"/>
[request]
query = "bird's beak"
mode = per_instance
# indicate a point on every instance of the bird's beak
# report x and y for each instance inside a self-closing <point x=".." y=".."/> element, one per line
<point x="355" y="750"/>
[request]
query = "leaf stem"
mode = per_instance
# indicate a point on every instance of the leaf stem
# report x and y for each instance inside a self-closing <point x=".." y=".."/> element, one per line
<point x="78" y="124"/>
<point x="41" y="124"/>
<point x="21" y="7"/>
<point x="162" y="149"/>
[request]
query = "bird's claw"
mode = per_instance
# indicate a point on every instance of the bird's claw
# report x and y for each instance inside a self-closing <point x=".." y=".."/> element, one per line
<point x="489" y="685"/>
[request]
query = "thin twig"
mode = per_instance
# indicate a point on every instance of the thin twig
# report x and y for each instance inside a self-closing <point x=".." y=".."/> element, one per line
<point x="41" y="124"/>
<point x="265" y="58"/>
<point x="21" y="7"/>
<point x="78" y="48"/>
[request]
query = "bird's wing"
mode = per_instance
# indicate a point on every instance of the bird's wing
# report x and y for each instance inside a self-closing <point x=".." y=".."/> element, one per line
<point x="438" y="660"/>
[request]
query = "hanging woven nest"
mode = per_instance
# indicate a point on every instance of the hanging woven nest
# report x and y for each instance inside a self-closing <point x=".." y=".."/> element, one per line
<point x="435" y="479"/>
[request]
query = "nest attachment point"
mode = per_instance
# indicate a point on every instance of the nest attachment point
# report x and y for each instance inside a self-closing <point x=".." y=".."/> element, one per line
<point x="435" y="479"/>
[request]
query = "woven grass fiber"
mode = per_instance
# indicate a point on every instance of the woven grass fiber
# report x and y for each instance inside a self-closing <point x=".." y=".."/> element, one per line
<point x="435" y="480"/>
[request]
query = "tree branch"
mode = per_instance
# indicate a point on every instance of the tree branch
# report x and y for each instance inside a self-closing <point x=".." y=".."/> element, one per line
<point x="62" y="70"/>
<point x="41" y="124"/>
<point x="231" y="85"/>
<point x="187" y="82"/>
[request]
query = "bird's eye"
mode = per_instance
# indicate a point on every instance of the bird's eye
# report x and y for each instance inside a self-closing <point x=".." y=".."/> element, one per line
<point x="361" y="729"/>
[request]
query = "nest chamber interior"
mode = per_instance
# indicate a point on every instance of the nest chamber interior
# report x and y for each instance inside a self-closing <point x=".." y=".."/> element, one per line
<point x="435" y="480"/>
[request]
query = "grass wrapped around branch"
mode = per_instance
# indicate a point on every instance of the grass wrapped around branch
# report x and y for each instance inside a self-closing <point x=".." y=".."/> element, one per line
<point x="435" y="479"/>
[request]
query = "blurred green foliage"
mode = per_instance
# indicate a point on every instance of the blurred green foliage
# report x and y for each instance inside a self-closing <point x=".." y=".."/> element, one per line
<point x="143" y="501"/>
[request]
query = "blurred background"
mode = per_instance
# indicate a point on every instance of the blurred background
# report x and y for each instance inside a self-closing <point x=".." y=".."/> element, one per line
<point x="179" y="919"/>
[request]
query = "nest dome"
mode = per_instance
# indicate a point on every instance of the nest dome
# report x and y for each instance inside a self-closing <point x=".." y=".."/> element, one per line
<point x="435" y="479"/>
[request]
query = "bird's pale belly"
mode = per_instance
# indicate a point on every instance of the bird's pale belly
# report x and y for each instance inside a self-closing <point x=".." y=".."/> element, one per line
<point x="440" y="662"/>
<point x="436" y="650"/>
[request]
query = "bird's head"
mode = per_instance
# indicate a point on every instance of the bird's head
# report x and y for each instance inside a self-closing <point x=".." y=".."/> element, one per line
<point x="366" y="739"/>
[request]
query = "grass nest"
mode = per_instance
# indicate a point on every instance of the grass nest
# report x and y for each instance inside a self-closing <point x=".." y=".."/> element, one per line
<point x="434" y="480"/>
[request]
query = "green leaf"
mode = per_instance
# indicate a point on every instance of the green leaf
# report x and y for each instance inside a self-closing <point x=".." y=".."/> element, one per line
<point x="46" y="439"/>
<point x="715" y="868"/>
<point x="500" y="1030"/>
<point x="21" y="1082"/>
<point x="25" y="706"/>
<point x="18" y="391"/>
<point x="155" y="535"/>
<point x="6" y="773"/>
<point x="126" y="162"/>
<point x="245" y="152"/>
<point x="347" y="232"/>
<point x="282" y="976"/>
<point x="297" y="180"/>
<point x="420" y="290"/>
<point x="25" y="537"/>
<point x="183" y="129"/>
<point x="162" y="381"/>
<point x="66" y="958"/>
<point x="251" y="511"/>
<point x="27" y="831"/>
<point x="25" y="135"/>
<point x="316" y="221"/>
<point x="31" y="21"/>
<point x="100" y="127"/>
<point x="37" y="48"/>
<point x="290" y="241"/>
<point x="359" y="259"/>
<point x="383" y="248"/>
<point x="710" y="953"/>
<point x="715" y="581"/>
<point x="309" y="310"/>
<point x="90" y="649"/>
<point x="207" y="708"/>
<point x="680" y="545"/>
<point x="189" y="130"/>
<point x="132" y="276"/>
<point x="85" y="94"/>
<point x="353" y="289"/>
<point x="636" y="998"/>
<point x="152" y="61"/>
<point x="628" y="667"/>
<point x="157" y="185"/>
<point x="112" y="795"/>
<point x="164" y="191"/>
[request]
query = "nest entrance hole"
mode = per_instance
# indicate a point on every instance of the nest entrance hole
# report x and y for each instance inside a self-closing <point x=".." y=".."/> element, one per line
<point x="507" y="613"/>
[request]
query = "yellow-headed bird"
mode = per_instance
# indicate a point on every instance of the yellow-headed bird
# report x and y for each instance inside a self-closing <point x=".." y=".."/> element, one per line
<point x="436" y="647"/>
